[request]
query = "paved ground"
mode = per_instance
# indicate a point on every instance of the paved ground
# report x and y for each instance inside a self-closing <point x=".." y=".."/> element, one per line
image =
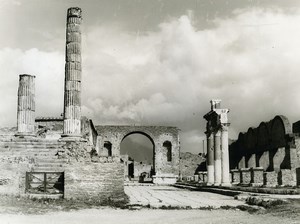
<point x="157" y="196"/>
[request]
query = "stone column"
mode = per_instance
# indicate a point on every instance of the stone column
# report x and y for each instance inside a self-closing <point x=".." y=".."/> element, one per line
<point x="217" y="154"/>
<point x="26" y="105"/>
<point x="210" y="159"/>
<point x="225" y="156"/>
<point x="72" y="94"/>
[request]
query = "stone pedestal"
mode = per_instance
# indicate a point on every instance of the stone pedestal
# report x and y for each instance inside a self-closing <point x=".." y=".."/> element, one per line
<point x="218" y="167"/>
<point x="165" y="179"/>
<point x="245" y="176"/>
<point x="287" y="177"/>
<point x="257" y="176"/>
<point x="72" y="93"/>
<point x="210" y="160"/>
<point x="26" y="106"/>
<point x="270" y="179"/>
<point x="196" y="178"/>
<point x="236" y="176"/>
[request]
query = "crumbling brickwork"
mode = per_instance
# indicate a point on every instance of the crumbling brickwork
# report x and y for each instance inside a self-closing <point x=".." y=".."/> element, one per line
<point x="158" y="135"/>
<point x="271" y="145"/>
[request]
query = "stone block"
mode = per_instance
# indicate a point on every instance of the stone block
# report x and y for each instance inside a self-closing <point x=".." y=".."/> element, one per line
<point x="270" y="179"/>
<point x="235" y="176"/>
<point x="287" y="177"/>
<point x="257" y="176"/>
<point x="165" y="179"/>
<point x="196" y="178"/>
<point x="245" y="176"/>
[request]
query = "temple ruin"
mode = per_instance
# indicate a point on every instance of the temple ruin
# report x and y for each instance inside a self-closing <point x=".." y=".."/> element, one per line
<point x="217" y="145"/>
<point x="69" y="156"/>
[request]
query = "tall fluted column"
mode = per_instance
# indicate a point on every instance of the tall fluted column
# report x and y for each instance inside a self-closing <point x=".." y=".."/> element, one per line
<point x="218" y="168"/>
<point x="72" y="94"/>
<point x="210" y="159"/>
<point x="26" y="105"/>
<point x="225" y="156"/>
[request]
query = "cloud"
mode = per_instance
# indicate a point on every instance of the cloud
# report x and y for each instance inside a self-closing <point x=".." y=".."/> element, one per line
<point x="168" y="76"/>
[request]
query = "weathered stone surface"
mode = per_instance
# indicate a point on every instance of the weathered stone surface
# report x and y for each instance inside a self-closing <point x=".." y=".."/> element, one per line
<point x="245" y="176"/>
<point x="257" y="176"/>
<point x="26" y="105"/>
<point x="72" y="94"/>
<point x="235" y="176"/>
<point x="287" y="177"/>
<point x="157" y="135"/>
<point x="94" y="180"/>
<point x="270" y="179"/>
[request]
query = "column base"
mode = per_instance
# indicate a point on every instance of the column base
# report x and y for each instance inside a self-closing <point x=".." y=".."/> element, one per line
<point x="25" y="135"/>
<point x="209" y="184"/>
<point x="226" y="184"/>
<point x="217" y="184"/>
<point x="72" y="137"/>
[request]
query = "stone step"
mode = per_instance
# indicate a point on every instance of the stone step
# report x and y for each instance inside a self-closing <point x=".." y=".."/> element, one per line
<point x="50" y="160"/>
<point x="49" y="164"/>
<point x="48" y="169"/>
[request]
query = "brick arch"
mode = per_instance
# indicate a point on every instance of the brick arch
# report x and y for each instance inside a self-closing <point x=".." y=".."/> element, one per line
<point x="251" y="140"/>
<point x="157" y="135"/>
<point x="263" y="136"/>
<point x="280" y="127"/>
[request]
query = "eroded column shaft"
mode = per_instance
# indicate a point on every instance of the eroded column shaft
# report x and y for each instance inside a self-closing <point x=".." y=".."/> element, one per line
<point x="225" y="156"/>
<point x="26" y="105"/>
<point x="210" y="160"/>
<point x="218" y="168"/>
<point x="72" y="94"/>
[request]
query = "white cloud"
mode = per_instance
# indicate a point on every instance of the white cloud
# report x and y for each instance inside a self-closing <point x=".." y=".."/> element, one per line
<point x="250" y="61"/>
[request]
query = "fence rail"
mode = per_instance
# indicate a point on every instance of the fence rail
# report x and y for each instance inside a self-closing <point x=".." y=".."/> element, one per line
<point x="45" y="182"/>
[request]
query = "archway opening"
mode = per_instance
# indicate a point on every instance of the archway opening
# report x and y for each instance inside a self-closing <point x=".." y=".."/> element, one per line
<point x="137" y="151"/>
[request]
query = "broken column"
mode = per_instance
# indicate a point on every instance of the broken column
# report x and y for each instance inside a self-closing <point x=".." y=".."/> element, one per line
<point x="72" y="93"/>
<point x="26" y="105"/>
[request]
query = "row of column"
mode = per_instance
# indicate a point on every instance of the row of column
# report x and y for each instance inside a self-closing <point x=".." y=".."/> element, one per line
<point x="72" y="90"/>
<point x="217" y="145"/>
<point x="218" y="157"/>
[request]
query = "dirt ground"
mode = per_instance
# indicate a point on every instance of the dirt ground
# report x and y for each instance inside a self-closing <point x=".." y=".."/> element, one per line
<point x="145" y="216"/>
<point x="148" y="205"/>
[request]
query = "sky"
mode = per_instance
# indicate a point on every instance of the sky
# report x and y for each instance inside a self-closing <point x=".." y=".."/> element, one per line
<point x="158" y="62"/>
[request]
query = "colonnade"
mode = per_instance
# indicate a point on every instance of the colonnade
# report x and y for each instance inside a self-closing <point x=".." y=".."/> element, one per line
<point x="217" y="145"/>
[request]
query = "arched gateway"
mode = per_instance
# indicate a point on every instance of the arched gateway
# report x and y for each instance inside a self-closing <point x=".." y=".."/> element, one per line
<point x="165" y="141"/>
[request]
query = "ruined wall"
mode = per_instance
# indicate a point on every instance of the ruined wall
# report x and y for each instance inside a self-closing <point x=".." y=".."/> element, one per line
<point x="271" y="146"/>
<point x="157" y="134"/>
<point x="94" y="180"/>
<point x="85" y="176"/>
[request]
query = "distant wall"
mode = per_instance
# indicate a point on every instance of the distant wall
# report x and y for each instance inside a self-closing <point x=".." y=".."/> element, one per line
<point x="271" y="145"/>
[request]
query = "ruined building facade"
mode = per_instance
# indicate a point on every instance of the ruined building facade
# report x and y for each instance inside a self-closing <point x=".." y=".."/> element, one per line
<point x="267" y="155"/>
<point x="68" y="155"/>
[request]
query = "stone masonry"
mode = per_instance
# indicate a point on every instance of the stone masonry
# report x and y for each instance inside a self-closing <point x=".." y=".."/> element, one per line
<point x="26" y="105"/>
<point x="271" y="151"/>
<point x="217" y="145"/>
<point x="164" y="169"/>
<point x="72" y="101"/>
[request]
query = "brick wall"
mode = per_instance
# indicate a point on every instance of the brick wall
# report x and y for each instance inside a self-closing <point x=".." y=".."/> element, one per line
<point x="94" y="180"/>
